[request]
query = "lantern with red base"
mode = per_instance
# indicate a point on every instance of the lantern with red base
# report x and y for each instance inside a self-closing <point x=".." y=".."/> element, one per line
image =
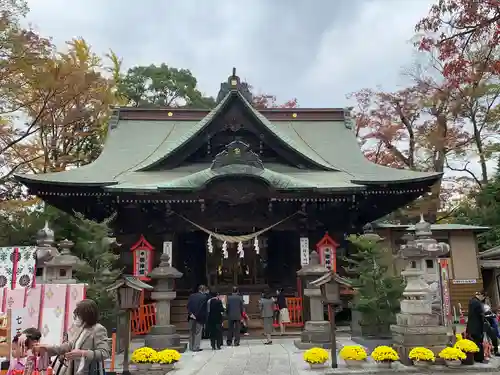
<point x="327" y="250"/>
<point x="142" y="255"/>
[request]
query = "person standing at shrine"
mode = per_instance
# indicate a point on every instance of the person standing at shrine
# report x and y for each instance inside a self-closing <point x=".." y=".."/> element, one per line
<point x="284" y="315"/>
<point x="475" y="323"/>
<point x="266" y="307"/>
<point x="489" y="324"/>
<point x="214" y="320"/>
<point x="234" y="312"/>
<point x="197" y="316"/>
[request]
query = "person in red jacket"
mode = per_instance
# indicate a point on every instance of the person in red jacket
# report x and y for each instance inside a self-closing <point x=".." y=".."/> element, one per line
<point x="244" y="324"/>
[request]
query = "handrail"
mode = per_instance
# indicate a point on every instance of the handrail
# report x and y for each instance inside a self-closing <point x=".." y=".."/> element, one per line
<point x="294" y="305"/>
<point x="143" y="319"/>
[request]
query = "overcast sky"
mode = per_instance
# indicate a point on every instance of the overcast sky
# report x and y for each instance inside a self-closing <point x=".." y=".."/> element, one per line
<point x="315" y="50"/>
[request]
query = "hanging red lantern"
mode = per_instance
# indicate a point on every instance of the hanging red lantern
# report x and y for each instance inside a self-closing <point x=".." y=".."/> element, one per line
<point x="143" y="256"/>
<point x="327" y="251"/>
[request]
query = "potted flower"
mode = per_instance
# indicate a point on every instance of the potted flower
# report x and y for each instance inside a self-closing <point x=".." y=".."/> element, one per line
<point x="144" y="357"/>
<point x="384" y="356"/>
<point x="316" y="357"/>
<point x="353" y="355"/>
<point x="469" y="348"/>
<point x="168" y="358"/>
<point x="421" y="356"/>
<point x="452" y="357"/>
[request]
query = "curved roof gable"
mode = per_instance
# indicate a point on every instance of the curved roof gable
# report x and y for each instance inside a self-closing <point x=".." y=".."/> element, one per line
<point x="287" y="139"/>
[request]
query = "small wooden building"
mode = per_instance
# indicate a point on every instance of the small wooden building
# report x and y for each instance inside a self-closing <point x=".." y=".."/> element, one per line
<point x="186" y="181"/>
<point x="463" y="265"/>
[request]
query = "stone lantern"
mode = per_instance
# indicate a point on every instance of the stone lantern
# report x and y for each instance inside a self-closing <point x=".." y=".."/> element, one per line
<point x="59" y="269"/>
<point x="416" y="325"/>
<point x="316" y="330"/>
<point x="370" y="235"/>
<point x="45" y="249"/>
<point x="163" y="334"/>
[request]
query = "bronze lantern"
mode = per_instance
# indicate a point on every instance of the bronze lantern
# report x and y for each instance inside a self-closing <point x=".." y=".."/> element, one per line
<point x="129" y="291"/>
<point x="329" y="284"/>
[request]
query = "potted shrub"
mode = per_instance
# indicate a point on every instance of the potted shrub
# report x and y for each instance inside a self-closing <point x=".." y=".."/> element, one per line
<point x="421" y="356"/>
<point x="316" y="357"/>
<point x="384" y="356"/>
<point x="469" y="348"/>
<point x="168" y="358"/>
<point x="452" y="357"/>
<point x="353" y="355"/>
<point x="144" y="357"/>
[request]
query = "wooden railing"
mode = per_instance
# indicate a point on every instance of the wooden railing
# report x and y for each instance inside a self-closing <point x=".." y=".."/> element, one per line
<point x="143" y="318"/>
<point x="294" y="310"/>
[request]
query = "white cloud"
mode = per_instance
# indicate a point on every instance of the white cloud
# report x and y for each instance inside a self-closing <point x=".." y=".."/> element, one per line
<point x="368" y="52"/>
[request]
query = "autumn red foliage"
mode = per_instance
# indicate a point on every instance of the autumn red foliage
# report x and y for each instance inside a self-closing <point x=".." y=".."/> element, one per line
<point x="270" y="101"/>
<point x="457" y="26"/>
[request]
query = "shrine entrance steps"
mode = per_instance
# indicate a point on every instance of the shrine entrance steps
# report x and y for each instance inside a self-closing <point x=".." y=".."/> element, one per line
<point x="143" y="318"/>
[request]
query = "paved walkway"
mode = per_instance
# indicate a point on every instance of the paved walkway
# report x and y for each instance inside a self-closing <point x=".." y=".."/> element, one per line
<point x="252" y="357"/>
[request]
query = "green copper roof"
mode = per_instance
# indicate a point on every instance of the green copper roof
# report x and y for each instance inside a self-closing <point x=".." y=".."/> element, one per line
<point x="134" y="147"/>
<point x="187" y="178"/>
<point x="434" y="227"/>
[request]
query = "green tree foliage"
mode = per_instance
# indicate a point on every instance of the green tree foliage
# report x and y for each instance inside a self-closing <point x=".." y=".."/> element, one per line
<point x="162" y="86"/>
<point x="483" y="208"/>
<point x="377" y="292"/>
<point x="92" y="243"/>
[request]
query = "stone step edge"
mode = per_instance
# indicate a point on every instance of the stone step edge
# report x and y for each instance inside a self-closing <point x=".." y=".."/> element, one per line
<point x="413" y="370"/>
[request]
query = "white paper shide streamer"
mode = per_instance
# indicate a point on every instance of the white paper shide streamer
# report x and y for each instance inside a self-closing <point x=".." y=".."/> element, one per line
<point x="225" y="254"/>
<point x="256" y="245"/>
<point x="240" y="251"/>
<point x="210" y="245"/>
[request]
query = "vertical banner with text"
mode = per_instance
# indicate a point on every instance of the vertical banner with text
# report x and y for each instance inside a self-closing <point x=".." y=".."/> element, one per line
<point x="304" y="251"/>
<point x="444" y="278"/>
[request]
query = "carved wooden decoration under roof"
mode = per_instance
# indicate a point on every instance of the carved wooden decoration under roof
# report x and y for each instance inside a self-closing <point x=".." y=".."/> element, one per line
<point x="237" y="153"/>
<point x="239" y="166"/>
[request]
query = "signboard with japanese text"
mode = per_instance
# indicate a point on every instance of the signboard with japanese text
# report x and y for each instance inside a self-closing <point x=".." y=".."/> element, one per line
<point x="304" y="251"/>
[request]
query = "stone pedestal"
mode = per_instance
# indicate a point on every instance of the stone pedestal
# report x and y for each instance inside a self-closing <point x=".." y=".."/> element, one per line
<point x="317" y="331"/>
<point x="414" y="330"/>
<point x="163" y="334"/>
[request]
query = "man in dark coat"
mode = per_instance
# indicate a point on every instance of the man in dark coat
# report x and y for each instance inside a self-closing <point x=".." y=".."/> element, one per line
<point x="214" y="320"/>
<point x="234" y="311"/>
<point x="197" y="316"/>
<point x="475" y="323"/>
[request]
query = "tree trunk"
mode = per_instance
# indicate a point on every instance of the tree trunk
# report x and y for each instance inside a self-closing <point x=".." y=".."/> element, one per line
<point x="480" y="150"/>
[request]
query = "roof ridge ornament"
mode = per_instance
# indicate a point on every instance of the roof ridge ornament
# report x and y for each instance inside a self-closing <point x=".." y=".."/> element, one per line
<point x="234" y="84"/>
<point x="348" y="120"/>
<point x="114" y="118"/>
<point x="237" y="153"/>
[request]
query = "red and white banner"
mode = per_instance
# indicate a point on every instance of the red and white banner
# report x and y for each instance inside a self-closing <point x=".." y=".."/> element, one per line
<point x="48" y="307"/>
<point x="444" y="280"/>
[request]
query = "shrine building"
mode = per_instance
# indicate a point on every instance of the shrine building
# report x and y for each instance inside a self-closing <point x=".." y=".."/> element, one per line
<point x="235" y="195"/>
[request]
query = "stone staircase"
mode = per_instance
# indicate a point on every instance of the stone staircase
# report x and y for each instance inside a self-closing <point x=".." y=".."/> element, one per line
<point x="178" y="314"/>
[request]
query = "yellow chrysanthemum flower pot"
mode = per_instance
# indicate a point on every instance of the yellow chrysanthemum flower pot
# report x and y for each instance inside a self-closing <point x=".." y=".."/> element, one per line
<point x="384" y="356"/>
<point x="316" y="357"/>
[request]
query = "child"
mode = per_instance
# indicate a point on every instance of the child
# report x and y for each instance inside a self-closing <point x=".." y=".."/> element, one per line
<point x="244" y="324"/>
<point x="18" y="358"/>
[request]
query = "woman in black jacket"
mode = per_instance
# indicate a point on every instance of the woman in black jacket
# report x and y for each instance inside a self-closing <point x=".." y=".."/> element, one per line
<point x="214" y="320"/>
